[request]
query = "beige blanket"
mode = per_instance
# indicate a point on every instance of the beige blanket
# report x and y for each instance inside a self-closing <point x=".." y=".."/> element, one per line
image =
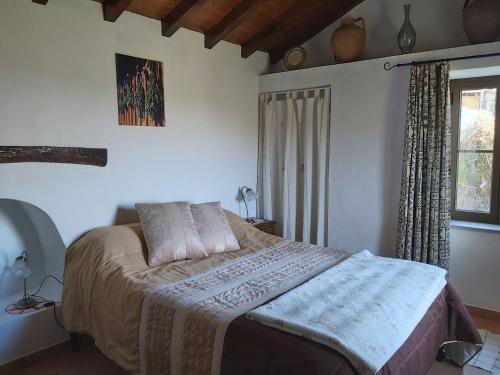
<point x="106" y="278"/>
<point x="184" y="323"/>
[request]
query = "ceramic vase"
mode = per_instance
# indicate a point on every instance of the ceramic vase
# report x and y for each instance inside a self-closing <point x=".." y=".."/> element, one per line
<point x="348" y="41"/>
<point x="481" y="19"/>
<point x="407" y="37"/>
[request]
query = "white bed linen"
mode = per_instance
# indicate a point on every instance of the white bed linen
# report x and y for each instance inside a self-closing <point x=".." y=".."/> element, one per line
<point x="366" y="307"/>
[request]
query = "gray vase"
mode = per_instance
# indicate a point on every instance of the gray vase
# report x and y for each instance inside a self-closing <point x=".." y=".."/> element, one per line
<point x="407" y="36"/>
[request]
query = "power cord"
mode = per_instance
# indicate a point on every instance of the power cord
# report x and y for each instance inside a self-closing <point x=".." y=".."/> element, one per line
<point x="53" y="304"/>
<point x="50" y="303"/>
<point x="43" y="281"/>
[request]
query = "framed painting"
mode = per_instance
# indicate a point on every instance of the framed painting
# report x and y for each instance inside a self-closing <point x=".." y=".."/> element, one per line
<point x="139" y="84"/>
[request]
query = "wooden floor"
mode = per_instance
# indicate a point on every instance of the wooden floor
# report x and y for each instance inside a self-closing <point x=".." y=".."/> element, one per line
<point x="61" y="360"/>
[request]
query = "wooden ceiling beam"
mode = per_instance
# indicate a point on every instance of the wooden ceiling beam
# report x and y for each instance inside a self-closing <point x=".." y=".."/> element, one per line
<point x="269" y="35"/>
<point x="114" y="9"/>
<point x="173" y="21"/>
<point x="43" y="2"/>
<point x="310" y="31"/>
<point x="230" y="22"/>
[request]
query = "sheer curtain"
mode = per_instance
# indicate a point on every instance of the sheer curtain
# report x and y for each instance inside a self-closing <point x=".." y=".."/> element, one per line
<point x="293" y="162"/>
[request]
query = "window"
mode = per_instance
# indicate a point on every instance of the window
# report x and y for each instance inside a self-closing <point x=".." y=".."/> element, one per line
<point x="476" y="149"/>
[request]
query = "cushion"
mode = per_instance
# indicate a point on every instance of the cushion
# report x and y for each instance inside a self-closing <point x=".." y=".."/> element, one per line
<point x="213" y="228"/>
<point x="169" y="232"/>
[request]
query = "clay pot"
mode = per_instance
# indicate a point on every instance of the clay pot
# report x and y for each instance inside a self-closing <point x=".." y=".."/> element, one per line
<point x="481" y="19"/>
<point x="348" y="41"/>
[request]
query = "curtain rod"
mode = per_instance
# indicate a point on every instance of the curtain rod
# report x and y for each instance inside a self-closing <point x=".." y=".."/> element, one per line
<point x="296" y="90"/>
<point x="387" y="65"/>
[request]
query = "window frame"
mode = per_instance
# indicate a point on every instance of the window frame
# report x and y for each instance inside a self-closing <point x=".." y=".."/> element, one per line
<point x="456" y="86"/>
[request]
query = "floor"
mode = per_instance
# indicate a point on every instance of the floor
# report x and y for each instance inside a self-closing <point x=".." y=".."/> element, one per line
<point x="62" y="361"/>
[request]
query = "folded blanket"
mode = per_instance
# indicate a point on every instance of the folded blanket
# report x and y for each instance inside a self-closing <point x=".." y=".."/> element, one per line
<point x="366" y="307"/>
<point x="183" y="323"/>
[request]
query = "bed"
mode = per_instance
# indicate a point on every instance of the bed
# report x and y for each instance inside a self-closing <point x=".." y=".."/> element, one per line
<point x="107" y="278"/>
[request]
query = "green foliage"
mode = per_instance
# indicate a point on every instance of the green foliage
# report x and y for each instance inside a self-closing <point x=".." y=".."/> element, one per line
<point x="139" y="99"/>
<point x="154" y="103"/>
<point x="475" y="167"/>
<point x="146" y="102"/>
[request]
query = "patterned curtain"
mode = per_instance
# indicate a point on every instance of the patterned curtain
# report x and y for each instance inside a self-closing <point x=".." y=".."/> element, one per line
<point x="424" y="212"/>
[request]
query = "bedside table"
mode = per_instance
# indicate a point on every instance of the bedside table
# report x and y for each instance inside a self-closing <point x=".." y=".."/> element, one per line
<point x="268" y="226"/>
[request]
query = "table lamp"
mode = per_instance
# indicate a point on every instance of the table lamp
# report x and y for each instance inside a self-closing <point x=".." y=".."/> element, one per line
<point x="248" y="195"/>
<point x="21" y="269"/>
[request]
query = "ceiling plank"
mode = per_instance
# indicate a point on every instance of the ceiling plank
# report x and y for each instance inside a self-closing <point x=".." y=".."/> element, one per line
<point x="310" y="31"/>
<point x="274" y="30"/>
<point x="43" y="2"/>
<point x="220" y="30"/>
<point x="114" y="9"/>
<point x="173" y="21"/>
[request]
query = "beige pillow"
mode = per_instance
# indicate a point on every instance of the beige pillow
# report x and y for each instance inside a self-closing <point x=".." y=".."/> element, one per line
<point x="213" y="228"/>
<point x="169" y="232"/>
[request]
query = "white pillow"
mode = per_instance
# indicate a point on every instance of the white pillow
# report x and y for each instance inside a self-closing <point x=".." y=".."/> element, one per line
<point x="213" y="228"/>
<point x="170" y="232"/>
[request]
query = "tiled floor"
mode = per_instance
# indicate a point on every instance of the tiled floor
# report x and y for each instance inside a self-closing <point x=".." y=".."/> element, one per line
<point x="63" y="361"/>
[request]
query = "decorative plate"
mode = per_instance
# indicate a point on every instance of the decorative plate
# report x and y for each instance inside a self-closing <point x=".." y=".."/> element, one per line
<point x="295" y="58"/>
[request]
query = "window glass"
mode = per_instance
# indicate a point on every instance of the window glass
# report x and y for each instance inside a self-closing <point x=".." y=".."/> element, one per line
<point x="474" y="175"/>
<point x="475" y="151"/>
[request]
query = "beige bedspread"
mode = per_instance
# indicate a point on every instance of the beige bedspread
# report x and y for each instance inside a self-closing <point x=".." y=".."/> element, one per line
<point x="106" y="276"/>
<point x="184" y="323"/>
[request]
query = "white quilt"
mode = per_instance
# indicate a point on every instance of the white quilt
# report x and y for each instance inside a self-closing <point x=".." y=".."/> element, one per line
<point x="366" y="307"/>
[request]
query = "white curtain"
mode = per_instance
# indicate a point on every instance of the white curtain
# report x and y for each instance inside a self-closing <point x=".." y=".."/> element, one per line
<point x="293" y="162"/>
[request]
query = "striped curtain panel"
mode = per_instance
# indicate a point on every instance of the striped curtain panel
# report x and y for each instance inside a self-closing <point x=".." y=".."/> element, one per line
<point x="293" y="163"/>
<point x="424" y="213"/>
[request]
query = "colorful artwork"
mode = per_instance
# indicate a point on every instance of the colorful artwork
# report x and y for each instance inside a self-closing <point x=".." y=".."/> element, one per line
<point x="140" y="91"/>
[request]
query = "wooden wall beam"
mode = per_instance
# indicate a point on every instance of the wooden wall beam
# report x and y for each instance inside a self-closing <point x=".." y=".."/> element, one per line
<point x="173" y="21"/>
<point x="50" y="154"/>
<point x="230" y="22"/>
<point x="272" y="33"/>
<point x="43" y="2"/>
<point x="114" y="9"/>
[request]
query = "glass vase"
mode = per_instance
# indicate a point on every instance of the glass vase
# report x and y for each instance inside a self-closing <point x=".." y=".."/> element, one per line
<point x="407" y="35"/>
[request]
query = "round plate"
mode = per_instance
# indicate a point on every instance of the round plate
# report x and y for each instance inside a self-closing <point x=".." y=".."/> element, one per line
<point x="295" y="58"/>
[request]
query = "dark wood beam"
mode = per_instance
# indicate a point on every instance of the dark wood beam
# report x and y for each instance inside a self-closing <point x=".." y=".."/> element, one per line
<point x="308" y="31"/>
<point x="50" y="154"/>
<point x="114" y="9"/>
<point x="43" y="2"/>
<point x="230" y="21"/>
<point x="269" y="34"/>
<point x="173" y="21"/>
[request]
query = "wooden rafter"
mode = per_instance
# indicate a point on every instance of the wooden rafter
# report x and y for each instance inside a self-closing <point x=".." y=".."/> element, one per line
<point x="173" y="21"/>
<point x="43" y="2"/>
<point x="274" y="31"/>
<point x="307" y="32"/>
<point x="230" y="21"/>
<point x="114" y="9"/>
<point x="267" y="25"/>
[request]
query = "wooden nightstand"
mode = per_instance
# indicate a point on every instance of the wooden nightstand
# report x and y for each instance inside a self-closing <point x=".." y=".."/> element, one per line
<point x="268" y="226"/>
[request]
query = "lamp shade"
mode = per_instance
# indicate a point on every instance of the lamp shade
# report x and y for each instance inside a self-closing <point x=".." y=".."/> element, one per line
<point x="251" y="195"/>
<point x="20" y="269"/>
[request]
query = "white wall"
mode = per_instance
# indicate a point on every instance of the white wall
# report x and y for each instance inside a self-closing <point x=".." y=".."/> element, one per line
<point x="58" y="87"/>
<point x="474" y="267"/>
<point x="367" y="132"/>
<point x="438" y="24"/>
